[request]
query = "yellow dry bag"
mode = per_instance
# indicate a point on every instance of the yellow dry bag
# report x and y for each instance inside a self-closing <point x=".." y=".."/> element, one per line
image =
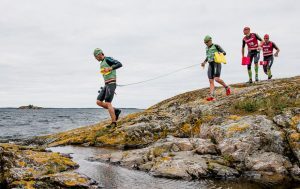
<point x="104" y="73"/>
<point x="219" y="58"/>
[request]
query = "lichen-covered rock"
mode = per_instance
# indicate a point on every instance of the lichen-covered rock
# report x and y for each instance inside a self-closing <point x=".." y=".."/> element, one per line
<point x="239" y="138"/>
<point x="25" y="167"/>
<point x="203" y="146"/>
<point x="185" y="114"/>
<point x="182" y="165"/>
<point x="295" y="172"/>
<point x="65" y="180"/>
<point x="221" y="171"/>
<point x="290" y="120"/>
<point x="69" y="180"/>
<point x="269" y="165"/>
<point x="260" y="119"/>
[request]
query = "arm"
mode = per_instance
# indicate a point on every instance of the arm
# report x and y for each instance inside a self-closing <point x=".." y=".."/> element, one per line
<point x="204" y="62"/>
<point x="114" y="64"/>
<point x="277" y="50"/>
<point x="259" y="39"/>
<point x="219" y="48"/>
<point x="243" y="48"/>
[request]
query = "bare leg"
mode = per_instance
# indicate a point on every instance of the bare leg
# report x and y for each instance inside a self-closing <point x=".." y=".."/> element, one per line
<point x="111" y="110"/>
<point x="102" y="104"/>
<point x="220" y="81"/>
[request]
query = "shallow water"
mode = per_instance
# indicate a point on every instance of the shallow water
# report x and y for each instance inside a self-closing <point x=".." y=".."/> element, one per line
<point x="111" y="176"/>
<point x="24" y="123"/>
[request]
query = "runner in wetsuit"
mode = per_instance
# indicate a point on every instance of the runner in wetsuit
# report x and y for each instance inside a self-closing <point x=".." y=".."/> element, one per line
<point x="108" y="68"/>
<point x="214" y="69"/>
<point x="267" y="48"/>
<point x="251" y="39"/>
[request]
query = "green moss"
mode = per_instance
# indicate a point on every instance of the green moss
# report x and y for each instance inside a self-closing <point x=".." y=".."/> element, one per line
<point x="50" y="171"/>
<point x="228" y="159"/>
<point x="101" y="132"/>
<point x="271" y="104"/>
<point x="158" y="151"/>
<point x="249" y="105"/>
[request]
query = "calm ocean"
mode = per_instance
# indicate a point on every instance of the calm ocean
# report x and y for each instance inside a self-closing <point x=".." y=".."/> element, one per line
<point x="24" y="123"/>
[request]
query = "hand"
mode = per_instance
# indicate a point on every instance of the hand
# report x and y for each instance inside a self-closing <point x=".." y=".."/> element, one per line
<point x="203" y="64"/>
<point x="259" y="48"/>
<point x="276" y="54"/>
<point x="107" y="70"/>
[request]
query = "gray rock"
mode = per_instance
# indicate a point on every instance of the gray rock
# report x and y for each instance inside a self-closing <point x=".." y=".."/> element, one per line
<point x="244" y="136"/>
<point x="295" y="172"/>
<point x="221" y="171"/>
<point x="134" y="158"/>
<point x="171" y="169"/>
<point x="269" y="166"/>
<point x="67" y="180"/>
<point x="147" y="166"/>
<point x="183" y="165"/>
<point x="203" y="146"/>
<point x="116" y="157"/>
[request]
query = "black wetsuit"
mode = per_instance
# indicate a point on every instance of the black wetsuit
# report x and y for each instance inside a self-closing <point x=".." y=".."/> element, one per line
<point x="214" y="69"/>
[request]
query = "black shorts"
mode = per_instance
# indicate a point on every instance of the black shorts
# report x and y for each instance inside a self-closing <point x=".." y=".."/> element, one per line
<point x="254" y="55"/>
<point x="269" y="60"/>
<point x="107" y="92"/>
<point x="214" y="70"/>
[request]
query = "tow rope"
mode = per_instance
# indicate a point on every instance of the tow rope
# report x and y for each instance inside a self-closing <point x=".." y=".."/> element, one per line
<point x="157" y="77"/>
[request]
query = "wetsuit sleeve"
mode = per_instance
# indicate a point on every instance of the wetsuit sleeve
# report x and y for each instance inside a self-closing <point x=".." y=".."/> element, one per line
<point x="244" y="44"/>
<point x="113" y="63"/>
<point x="275" y="46"/>
<point x="219" y="48"/>
<point x="258" y="37"/>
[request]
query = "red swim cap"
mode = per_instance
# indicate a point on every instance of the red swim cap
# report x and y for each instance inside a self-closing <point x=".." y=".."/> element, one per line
<point x="266" y="36"/>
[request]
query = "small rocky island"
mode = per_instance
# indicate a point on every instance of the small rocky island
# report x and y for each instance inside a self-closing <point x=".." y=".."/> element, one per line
<point x="30" y="106"/>
<point x="253" y="134"/>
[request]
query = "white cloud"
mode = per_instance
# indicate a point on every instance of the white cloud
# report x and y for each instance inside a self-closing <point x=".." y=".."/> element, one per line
<point x="46" y="46"/>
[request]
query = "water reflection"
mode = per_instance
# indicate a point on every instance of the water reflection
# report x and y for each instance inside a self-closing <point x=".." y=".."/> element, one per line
<point x="115" y="177"/>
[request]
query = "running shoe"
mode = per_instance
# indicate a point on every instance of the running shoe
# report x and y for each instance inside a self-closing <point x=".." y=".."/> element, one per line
<point x="228" y="91"/>
<point x="112" y="125"/>
<point x="210" y="98"/>
<point x="117" y="113"/>
<point x="250" y="81"/>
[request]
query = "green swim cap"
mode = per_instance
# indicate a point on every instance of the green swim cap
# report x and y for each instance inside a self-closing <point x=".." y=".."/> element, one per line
<point x="207" y="38"/>
<point x="97" y="51"/>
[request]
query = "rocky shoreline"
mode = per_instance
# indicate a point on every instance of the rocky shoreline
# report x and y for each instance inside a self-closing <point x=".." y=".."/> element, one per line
<point x="253" y="134"/>
<point x="30" y="106"/>
<point x="33" y="167"/>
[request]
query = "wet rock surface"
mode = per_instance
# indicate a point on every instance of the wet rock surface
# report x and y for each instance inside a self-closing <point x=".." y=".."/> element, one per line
<point x="253" y="133"/>
<point x="31" y="167"/>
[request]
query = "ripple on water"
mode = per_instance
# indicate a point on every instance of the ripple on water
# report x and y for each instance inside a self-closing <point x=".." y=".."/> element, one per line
<point x="43" y="121"/>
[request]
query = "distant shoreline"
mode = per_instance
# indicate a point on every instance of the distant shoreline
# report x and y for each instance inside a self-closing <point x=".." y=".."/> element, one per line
<point x="73" y="108"/>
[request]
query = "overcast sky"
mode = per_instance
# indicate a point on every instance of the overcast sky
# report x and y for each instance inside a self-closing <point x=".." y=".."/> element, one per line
<point x="46" y="47"/>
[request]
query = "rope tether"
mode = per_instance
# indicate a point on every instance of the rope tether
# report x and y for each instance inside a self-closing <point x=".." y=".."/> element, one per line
<point x="157" y="77"/>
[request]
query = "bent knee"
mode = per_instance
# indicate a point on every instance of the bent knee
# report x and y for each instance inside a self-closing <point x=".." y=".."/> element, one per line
<point x="217" y="79"/>
<point x="99" y="103"/>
